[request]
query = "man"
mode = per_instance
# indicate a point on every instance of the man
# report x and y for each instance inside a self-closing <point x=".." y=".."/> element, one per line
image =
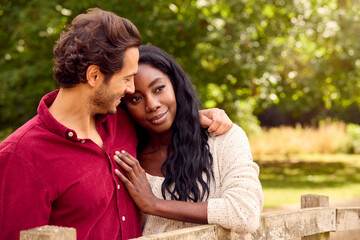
<point x="57" y="168"/>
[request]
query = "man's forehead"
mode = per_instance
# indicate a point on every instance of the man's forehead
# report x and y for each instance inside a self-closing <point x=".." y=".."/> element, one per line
<point x="131" y="60"/>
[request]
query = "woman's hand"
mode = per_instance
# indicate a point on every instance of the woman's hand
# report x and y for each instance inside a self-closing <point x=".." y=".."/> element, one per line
<point x="135" y="181"/>
<point x="140" y="191"/>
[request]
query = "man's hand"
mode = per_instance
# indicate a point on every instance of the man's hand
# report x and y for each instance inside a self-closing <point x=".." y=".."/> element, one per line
<point x="216" y="120"/>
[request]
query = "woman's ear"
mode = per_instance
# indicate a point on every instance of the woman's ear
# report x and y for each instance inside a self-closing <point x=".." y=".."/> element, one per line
<point x="93" y="75"/>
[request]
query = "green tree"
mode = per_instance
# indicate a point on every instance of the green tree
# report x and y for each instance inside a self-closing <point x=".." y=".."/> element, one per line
<point x="244" y="56"/>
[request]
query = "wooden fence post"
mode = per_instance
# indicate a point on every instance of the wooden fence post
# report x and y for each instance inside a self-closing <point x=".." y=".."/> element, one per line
<point x="49" y="233"/>
<point x="310" y="201"/>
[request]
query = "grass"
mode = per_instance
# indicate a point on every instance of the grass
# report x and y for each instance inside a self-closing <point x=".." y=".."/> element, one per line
<point x="286" y="178"/>
<point x="275" y="197"/>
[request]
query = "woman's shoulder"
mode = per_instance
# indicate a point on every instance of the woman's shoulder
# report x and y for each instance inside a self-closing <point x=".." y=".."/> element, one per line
<point x="230" y="142"/>
<point x="235" y="132"/>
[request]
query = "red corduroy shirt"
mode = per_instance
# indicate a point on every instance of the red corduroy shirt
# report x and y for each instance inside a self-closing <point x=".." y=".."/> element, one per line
<point x="50" y="176"/>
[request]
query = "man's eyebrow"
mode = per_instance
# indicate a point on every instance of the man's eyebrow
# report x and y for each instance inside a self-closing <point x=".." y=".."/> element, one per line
<point x="130" y="75"/>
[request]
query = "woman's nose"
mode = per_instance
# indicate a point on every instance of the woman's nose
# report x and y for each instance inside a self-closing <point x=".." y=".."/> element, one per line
<point x="152" y="104"/>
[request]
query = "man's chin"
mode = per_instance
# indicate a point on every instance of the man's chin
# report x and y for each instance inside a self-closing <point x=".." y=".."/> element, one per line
<point x="112" y="112"/>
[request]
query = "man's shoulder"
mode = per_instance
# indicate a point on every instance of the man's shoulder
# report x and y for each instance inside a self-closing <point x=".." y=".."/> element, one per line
<point x="22" y="135"/>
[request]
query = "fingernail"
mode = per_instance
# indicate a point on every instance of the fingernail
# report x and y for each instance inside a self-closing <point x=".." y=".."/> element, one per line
<point x="117" y="152"/>
<point x="116" y="157"/>
<point x="122" y="151"/>
<point x="117" y="171"/>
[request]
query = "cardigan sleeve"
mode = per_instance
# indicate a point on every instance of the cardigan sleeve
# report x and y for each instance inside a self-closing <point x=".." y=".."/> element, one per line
<point x="241" y="200"/>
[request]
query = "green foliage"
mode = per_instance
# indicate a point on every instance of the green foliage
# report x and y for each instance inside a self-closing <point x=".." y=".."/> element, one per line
<point x="27" y="35"/>
<point x="318" y="66"/>
<point x="242" y="55"/>
<point x="353" y="131"/>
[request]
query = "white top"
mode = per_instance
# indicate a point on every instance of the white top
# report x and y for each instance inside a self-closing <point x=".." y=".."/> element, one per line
<point x="236" y="198"/>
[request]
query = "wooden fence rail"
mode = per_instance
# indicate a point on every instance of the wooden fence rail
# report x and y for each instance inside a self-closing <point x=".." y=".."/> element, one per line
<point x="314" y="221"/>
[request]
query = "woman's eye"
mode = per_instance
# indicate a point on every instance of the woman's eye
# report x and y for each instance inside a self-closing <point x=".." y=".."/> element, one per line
<point x="135" y="99"/>
<point x="160" y="88"/>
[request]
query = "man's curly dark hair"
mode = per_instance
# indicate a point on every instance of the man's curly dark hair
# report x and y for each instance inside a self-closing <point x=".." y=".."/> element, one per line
<point x="96" y="38"/>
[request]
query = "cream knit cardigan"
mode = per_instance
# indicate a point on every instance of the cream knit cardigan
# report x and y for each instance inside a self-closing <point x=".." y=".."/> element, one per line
<point x="236" y="198"/>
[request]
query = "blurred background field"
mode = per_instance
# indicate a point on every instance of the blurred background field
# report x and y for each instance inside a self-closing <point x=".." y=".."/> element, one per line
<point x="287" y="72"/>
<point x="326" y="138"/>
<point x="306" y="160"/>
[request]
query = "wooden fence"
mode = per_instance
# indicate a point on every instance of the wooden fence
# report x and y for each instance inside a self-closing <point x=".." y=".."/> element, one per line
<point x="315" y="220"/>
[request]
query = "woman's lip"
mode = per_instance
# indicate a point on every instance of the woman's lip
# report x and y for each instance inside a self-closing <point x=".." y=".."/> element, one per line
<point x="158" y="118"/>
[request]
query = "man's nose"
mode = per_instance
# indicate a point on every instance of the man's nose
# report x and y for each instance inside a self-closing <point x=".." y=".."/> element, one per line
<point x="130" y="88"/>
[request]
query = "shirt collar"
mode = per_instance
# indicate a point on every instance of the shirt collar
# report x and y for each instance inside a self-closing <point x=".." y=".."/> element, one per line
<point x="52" y="124"/>
<point x="44" y="114"/>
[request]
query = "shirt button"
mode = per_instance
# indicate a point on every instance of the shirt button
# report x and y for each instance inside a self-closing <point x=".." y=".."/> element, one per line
<point x="118" y="186"/>
<point x="70" y="134"/>
<point x="82" y="141"/>
<point x="123" y="218"/>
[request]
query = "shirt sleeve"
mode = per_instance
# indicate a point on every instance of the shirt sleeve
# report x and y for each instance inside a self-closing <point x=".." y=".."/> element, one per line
<point x="241" y="200"/>
<point x="24" y="199"/>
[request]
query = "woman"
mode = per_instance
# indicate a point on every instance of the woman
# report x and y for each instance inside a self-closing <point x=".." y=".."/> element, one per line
<point x="194" y="177"/>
